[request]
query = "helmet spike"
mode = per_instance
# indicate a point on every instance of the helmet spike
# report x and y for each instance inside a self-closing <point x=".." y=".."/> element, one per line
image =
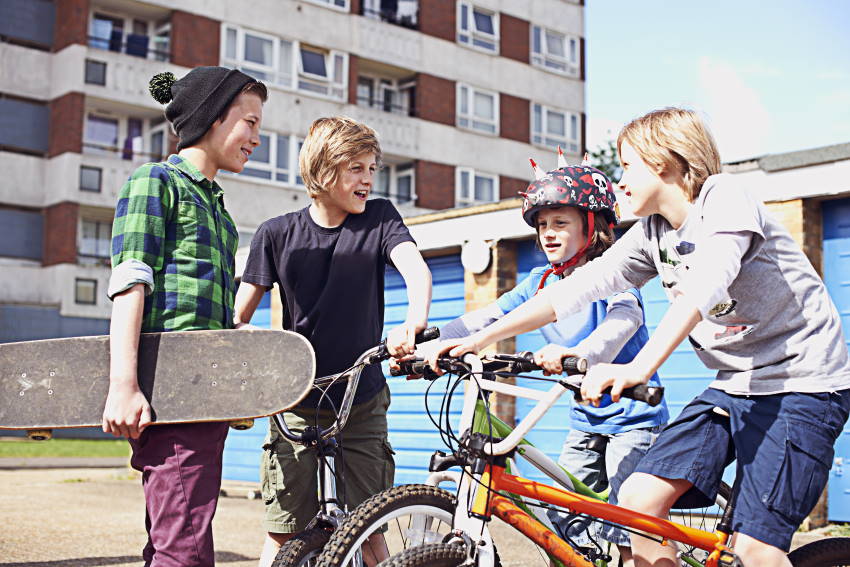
<point x="586" y="160"/>
<point x="562" y="161"/>
<point x="538" y="173"/>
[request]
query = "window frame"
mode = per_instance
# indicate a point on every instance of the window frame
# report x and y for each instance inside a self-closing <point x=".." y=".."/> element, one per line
<point x="149" y="126"/>
<point x="158" y="33"/>
<point x="396" y="171"/>
<point x="103" y="236"/>
<point x="99" y="178"/>
<point x="291" y="79"/>
<point x="77" y="282"/>
<point x="403" y="89"/>
<point x="332" y="4"/>
<point x="547" y="61"/>
<point x="469" y="37"/>
<point x="540" y="138"/>
<point x="470" y="116"/>
<point x="292" y="173"/>
<point x="460" y="201"/>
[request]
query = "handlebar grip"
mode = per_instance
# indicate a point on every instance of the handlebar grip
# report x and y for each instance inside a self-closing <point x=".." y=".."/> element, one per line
<point x="574" y="365"/>
<point x="650" y="394"/>
<point x="426" y="335"/>
<point x="409" y="367"/>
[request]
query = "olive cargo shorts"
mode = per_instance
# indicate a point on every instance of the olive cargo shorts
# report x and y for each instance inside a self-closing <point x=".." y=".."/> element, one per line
<point x="288" y="471"/>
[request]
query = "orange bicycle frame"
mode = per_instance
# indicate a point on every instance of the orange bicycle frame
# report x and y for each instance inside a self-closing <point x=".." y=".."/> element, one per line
<point x="487" y="502"/>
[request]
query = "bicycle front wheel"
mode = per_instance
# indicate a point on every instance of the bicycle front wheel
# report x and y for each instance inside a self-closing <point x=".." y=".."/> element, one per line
<point x="432" y="555"/>
<point x="408" y="515"/>
<point x="829" y="552"/>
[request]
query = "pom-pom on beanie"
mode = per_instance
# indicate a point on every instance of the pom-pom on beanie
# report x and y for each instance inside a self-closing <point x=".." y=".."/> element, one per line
<point x="198" y="99"/>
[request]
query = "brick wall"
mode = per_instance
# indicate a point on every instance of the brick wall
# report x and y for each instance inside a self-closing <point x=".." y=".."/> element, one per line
<point x="802" y="218"/>
<point x="435" y="99"/>
<point x="355" y="6"/>
<point x="71" y="23"/>
<point x="66" y="124"/>
<point x="514" y="37"/>
<point x="509" y="187"/>
<point x="437" y="18"/>
<point x="483" y="289"/>
<point x="353" y="65"/>
<point x="195" y="40"/>
<point x="60" y="234"/>
<point x="435" y="185"/>
<point x="514" y="118"/>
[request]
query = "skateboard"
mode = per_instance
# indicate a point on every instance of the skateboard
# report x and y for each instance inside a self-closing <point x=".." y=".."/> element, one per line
<point x="187" y="376"/>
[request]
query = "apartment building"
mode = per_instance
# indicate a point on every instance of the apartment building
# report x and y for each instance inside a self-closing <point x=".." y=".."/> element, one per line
<point x="461" y="92"/>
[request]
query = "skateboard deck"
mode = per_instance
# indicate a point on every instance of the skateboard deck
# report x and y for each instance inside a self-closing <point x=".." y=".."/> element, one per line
<point x="187" y="376"/>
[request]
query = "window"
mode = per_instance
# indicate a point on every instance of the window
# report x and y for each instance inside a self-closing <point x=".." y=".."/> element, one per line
<point x="341" y="4"/>
<point x="554" y="51"/>
<point x="400" y="12"/>
<point x="133" y="36"/>
<point x="95" y="72"/>
<point x="95" y="240"/>
<point x="90" y="178"/>
<point x="477" y="27"/>
<point x="287" y="64"/>
<point x="388" y="95"/>
<point x="85" y="291"/>
<point x="127" y="137"/>
<point x="275" y="159"/>
<point x="474" y="187"/>
<point x="395" y="182"/>
<point x="477" y="109"/>
<point x="550" y="127"/>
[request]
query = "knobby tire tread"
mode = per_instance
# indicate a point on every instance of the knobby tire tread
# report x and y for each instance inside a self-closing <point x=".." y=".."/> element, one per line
<point x="297" y="550"/>
<point x="431" y="555"/>
<point x="829" y="552"/>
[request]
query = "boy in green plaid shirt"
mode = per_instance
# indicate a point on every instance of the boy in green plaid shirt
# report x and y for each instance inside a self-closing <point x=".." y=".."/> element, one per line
<point x="173" y="249"/>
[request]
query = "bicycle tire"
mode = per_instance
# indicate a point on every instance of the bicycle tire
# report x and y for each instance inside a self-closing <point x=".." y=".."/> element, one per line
<point x="430" y="555"/>
<point x="829" y="552"/>
<point x="377" y="511"/>
<point x="303" y="549"/>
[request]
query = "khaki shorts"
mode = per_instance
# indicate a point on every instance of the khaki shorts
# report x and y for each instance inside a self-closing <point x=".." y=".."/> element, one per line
<point x="288" y="471"/>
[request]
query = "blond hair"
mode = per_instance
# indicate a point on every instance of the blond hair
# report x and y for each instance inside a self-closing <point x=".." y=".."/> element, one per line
<point x="674" y="138"/>
<point x="332" y="142"/>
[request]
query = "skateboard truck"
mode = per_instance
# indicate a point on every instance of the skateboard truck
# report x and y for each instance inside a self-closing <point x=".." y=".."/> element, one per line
<point x="39" y="434"/>
<point x="242" y="424"/>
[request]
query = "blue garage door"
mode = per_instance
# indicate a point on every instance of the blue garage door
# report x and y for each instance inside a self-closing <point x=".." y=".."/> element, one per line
<point x="683" y="375"/>
<point x="242" y="449"/>
<point x="836" y="275"/>
<point x="412" y="435"/>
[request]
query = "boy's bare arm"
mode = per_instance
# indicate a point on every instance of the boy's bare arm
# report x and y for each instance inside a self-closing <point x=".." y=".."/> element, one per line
<point x="417" y="277"/>
<point x="248" y="297"/>
<point x="127" y="412"/>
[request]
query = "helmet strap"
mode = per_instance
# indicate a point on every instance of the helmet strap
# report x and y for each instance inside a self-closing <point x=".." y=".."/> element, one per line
<point x="559" y="269"/>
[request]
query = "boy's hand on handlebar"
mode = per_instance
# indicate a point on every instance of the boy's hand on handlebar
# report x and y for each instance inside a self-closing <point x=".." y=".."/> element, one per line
<point x="454" y="347"/>
<point x="617" y="376"/>
<point x="401" y="341"/>
<point x="549" y="358"/>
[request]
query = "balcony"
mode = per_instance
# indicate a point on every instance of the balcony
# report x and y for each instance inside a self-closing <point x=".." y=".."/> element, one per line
<point x="404" y="13"/>
<point x="121" y="30"/>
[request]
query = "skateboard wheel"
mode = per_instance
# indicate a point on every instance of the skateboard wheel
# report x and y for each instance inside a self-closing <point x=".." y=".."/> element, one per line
<point x="40" y="434"/>
<point x="242" y="424"/>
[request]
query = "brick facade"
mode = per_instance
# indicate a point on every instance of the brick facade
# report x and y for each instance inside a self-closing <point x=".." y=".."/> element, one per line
<point x="356" y="6"/>
<point x="71" y="23"/>
<point x="435" y="99"/>
<point x="195" y="40"/>
<point x="438" y="18"/>
<point x="435" y="185"/>
<point x="66" y="124"/>
<point x="353" y="69"/>
<point x="483" y="289"/>
<point x="514" y="118"/>
<point x="60" y="234"/>
<point x="514" y="38"/>
<point x="510" y="187"/>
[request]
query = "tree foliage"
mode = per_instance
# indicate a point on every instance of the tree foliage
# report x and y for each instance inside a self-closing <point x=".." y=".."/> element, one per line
<point x="604" y="158"/>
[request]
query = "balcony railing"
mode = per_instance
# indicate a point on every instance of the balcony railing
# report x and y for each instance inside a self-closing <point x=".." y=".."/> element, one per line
<point x="390" y="16"/>
<point x="125" y="153"/>
<point x="401" y="109"/>
<point x="136" y="45"/>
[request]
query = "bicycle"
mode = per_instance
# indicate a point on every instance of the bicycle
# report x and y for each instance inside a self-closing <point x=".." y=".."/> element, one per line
<point x="303" y="548"/>
<point x="393" y="504"/>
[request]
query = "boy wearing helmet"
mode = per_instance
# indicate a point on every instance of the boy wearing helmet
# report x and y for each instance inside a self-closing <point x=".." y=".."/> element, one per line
<point x="573" y="210"/>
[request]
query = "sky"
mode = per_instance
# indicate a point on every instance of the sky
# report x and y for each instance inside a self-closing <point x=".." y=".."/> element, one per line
<point x="770" y="76"/>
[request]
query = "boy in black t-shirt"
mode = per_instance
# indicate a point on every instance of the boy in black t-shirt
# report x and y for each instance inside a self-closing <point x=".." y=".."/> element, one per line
<point x="328" y="260"/>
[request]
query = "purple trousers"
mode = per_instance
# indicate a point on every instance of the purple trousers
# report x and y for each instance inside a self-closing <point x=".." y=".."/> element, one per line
<point x="181" y="477"/>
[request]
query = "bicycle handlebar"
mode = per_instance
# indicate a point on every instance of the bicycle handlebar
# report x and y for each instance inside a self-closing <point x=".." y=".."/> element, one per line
<point x="374" y="355"/>
<point x="524" y="362"/>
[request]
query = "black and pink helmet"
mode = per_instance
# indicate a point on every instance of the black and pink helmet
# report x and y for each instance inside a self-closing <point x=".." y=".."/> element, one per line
<point x="579" y="186"/>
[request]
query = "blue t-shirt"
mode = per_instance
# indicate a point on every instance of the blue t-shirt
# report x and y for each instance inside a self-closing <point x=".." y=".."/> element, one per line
<point x="609" y="417"/>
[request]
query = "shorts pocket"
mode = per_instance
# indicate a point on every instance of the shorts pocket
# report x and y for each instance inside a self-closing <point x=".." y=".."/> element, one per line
<point x="389" y="464"/>
<point x="804" y="472"/>
<point x="269" y="476"/>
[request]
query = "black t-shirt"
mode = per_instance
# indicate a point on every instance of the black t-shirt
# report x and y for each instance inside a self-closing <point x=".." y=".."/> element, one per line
<point x="331" y="284"/>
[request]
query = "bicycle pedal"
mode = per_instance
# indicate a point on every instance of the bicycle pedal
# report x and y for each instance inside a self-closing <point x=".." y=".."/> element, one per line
<point x="728" y="559"/>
